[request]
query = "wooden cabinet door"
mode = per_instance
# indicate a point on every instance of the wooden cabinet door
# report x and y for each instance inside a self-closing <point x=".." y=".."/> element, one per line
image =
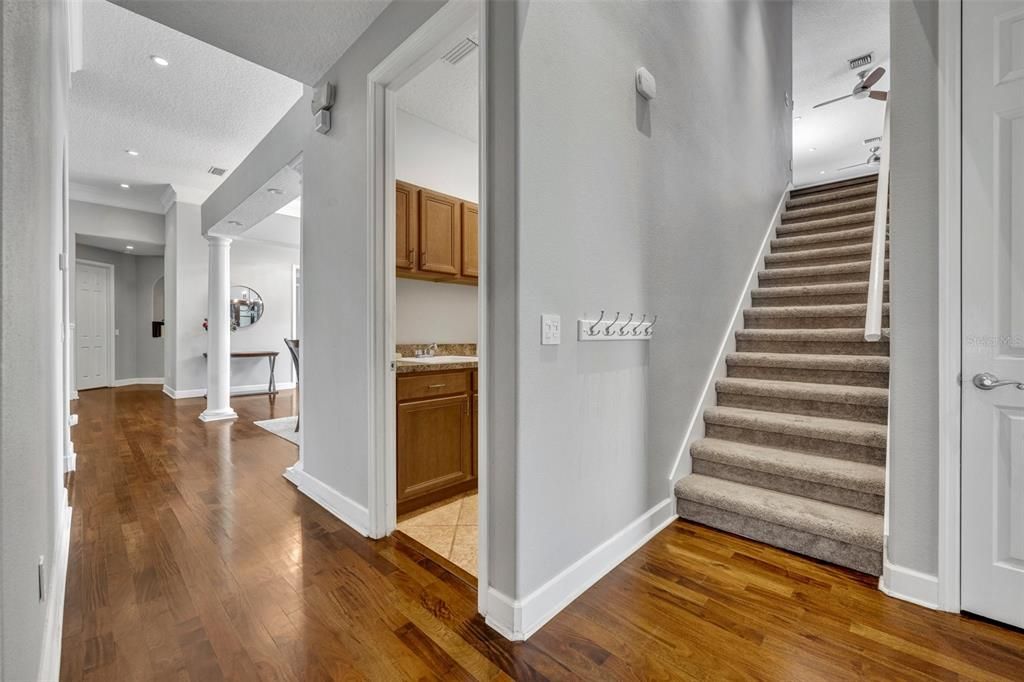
<point x="470" y="240"/>
<point x="406" y="225"/>
<point x="440" y="228"/>
<point x="434" y="445"/>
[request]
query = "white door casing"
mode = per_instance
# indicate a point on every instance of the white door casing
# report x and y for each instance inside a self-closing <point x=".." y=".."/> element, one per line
<point x="94" y="317"/>
<point x="992" y="528"/>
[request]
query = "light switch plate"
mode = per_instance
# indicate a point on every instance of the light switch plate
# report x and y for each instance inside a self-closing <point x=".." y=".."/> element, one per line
<point x="550" y="330"/>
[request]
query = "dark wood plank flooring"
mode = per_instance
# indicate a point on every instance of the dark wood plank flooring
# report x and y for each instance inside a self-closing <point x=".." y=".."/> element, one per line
<point x="193" y="559"/>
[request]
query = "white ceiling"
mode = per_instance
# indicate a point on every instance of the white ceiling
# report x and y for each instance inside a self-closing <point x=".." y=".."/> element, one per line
<point x="208" y="108"/>
<point x="825" y="36"/>
<point x="118" y="245"/>
<point x="447" y="95"/>
<point x="300" y="39"/>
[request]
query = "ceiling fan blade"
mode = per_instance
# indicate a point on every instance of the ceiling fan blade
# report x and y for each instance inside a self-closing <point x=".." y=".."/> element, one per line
<point x="880" y="95"/>
<point x="873" y="78"/>
<point x="832" y="101"/>
<point x="856" y="165"/>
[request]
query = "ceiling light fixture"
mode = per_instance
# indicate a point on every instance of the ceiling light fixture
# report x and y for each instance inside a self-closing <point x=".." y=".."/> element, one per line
<point x="131" y="152"/>
<point x="274" y="190"/>
<point x="797" y="118"/>
<point x="813" y="149"/>
<point x="235" y="223"/>
<point x="158" y="60"/>
<point x="821" y="172"/>
<point x="125" y="186"/>
<point x="129" y="247"/>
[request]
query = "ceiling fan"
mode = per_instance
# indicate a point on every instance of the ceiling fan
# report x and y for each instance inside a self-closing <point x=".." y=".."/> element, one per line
<point x="873" y="160"/>
<point x="863" y="88"/>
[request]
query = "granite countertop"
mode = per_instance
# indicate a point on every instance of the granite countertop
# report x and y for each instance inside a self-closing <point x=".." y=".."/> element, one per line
<point x="458" y="349"/>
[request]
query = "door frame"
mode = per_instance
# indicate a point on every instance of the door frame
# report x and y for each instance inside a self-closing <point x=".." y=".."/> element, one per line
<point x="950" y="292"/>
<point x="424" y="46"/>
<point x="112" y="323"/>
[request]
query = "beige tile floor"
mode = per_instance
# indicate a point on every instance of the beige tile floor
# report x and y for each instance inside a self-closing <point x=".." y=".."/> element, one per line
<point x="447" y="527"/>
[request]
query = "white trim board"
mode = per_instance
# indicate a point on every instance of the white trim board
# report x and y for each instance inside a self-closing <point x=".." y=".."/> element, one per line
<point x="49" y="663"/>
<point x="248" y="389"/>
<point x="695" y="430"/>
<point x="518" y="620"/>
<point x="949" y="290"/>
<point x="139" y="381"/>
<point x="351" y="513"/>
<point x="909" y="585"/>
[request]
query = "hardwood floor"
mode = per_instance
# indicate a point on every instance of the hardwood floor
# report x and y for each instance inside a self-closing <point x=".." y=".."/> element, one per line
<point x="193" y="559"/>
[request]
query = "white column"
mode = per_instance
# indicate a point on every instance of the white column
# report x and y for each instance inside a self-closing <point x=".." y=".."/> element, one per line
<point x="218" y="356"/>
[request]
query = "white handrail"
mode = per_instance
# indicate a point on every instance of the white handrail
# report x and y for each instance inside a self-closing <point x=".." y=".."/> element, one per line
<point x="876" y="277"/>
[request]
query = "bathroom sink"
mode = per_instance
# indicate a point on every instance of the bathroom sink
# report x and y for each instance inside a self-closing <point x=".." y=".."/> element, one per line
<point x="440" y="359"/>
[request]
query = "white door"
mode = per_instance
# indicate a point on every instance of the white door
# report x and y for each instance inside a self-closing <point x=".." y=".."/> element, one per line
<point x="93" y="318"/>
<point x="992" y="509"/>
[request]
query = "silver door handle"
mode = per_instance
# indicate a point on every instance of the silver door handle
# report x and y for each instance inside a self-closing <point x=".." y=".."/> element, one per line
<point x="987" y="381"/>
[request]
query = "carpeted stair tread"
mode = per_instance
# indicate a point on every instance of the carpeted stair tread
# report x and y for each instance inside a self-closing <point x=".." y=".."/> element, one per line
<point x="846" y="363"/>
<point x="850" y="253"/>
<point x="825" y="187"/>
<point x="858" y="476"/>
<point x="814" y="241"/>
<point x="834" y="310"/>
<point x="830" y="195"/>
<point x="819" y="428"/>
<point x="855" y="271"/>
<point x="847" y="207"/>
<point x="765" y="295"/>
<point x="799" y="390"/>
<point x="850" y="526"/>
<point x="830" y="223"/>
<point x="854" y="335"/>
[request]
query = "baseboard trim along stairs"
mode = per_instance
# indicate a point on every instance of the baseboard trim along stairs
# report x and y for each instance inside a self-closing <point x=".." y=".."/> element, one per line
<point x="793" y="453"/>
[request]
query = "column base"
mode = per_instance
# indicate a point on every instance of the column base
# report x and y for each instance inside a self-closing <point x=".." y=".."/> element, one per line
<point x="217" y="415"/>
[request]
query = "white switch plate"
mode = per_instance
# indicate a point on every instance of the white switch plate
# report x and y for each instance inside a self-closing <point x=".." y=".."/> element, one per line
<point x="550" y="330"/>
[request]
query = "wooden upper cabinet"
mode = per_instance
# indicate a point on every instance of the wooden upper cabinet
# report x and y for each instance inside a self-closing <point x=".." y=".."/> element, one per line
<point x="470" y="240"/>
<point x="440" y="233"/>
<point x="406" y="225"/>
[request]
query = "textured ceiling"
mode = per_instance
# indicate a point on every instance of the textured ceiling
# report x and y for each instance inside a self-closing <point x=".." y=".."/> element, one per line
<point x="825" y="36"/>
<point x="298" y="38"/>
<point x="208" y="108"/>
<point x="446" y="95"/>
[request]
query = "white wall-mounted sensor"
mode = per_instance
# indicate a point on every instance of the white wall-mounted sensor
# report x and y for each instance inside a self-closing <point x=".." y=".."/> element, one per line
<point x="645" y="84"/>
<point x="322" y="121"/>
<point x="323" y="98"/>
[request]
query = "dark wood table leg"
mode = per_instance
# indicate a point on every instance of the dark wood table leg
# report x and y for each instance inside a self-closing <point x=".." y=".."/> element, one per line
<point x="272" y="387"/>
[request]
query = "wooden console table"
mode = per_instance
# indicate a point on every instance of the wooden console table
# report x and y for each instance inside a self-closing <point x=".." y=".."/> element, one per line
<point x="270" y="355"/>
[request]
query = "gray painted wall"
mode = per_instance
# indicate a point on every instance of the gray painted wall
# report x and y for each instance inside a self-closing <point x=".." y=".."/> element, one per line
<point x="913" y="205"/>
<point x="33" y="88"/>
<point x="122" y="224"/>
<point x="630" y="205"/>
<point x="136" y="353"/>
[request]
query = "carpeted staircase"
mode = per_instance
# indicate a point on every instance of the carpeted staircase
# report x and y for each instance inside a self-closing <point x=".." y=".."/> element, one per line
<point x="794" y="451"/>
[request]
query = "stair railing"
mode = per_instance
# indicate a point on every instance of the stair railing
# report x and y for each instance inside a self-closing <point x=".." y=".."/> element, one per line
<point x="876" y="276"/>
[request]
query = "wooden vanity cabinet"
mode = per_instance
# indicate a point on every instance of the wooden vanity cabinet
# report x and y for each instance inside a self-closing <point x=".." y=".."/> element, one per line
<point x="407" y="227"/>
<point x="440" y="235"/>
<point x="436" y="434"/>
<point x="470" y="262"/>
<point x="436" y="236"/>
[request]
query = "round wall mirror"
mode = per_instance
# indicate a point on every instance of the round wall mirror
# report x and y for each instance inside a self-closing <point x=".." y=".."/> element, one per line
<point x="246" y="306"/>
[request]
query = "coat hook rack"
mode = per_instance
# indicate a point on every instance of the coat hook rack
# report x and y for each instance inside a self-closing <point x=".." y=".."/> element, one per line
<point x="625" y="326"/>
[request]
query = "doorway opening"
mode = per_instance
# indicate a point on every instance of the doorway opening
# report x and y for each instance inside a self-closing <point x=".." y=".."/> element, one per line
<point x="428" y="480"/>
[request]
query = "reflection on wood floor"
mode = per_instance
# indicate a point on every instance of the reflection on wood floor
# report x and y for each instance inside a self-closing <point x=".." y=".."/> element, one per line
<point x="193" y="559"/>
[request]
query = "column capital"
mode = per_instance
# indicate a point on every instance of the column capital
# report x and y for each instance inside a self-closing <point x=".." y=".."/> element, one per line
<point x="217" y="239"/>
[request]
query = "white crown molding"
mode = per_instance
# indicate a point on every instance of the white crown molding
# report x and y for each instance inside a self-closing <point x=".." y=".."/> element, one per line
<point x="113" y="197"/>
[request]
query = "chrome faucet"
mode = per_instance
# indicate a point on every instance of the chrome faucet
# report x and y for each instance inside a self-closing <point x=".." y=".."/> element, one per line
<point x="427" y="352"/>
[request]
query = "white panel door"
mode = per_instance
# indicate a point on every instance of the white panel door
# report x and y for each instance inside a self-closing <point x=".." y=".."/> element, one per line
<point x="93" y="318"/>
<point x="992" y="556"/>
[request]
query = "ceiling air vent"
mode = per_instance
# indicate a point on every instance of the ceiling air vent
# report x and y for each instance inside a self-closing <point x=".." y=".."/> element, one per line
<point x="460" y="51"/>
<point x="213" y="170"/>
<point x="858" y="62"/>
<point x="872" y="140"/>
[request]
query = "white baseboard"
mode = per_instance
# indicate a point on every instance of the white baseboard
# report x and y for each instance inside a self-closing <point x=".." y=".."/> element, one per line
<point x="909" y="585"/>
<point x="351" y="513"/>
<point x="139" y="381"/>
<point x="518" y="620"/>
<point x="249" y="389"/>
<point x="70" y="459"/>
<point x="49" y="663"/>
<point x="695" y="430"/>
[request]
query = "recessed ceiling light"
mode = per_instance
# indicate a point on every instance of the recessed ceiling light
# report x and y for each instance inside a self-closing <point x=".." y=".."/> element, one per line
<point x="813" y="149"/>
<point x="821" y="172"/>
<point x="274" y="190"/>
<point x="125" y="186"/>
<point x="158" y="60"/>
<point x="129" y="247"/>
<point x="797" y="118"/>
<point x="131" y="152"/>
<point x="235" y="223"/>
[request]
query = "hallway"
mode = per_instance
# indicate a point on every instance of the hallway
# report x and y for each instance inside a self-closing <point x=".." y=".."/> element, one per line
<point x="192" y="558"/>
